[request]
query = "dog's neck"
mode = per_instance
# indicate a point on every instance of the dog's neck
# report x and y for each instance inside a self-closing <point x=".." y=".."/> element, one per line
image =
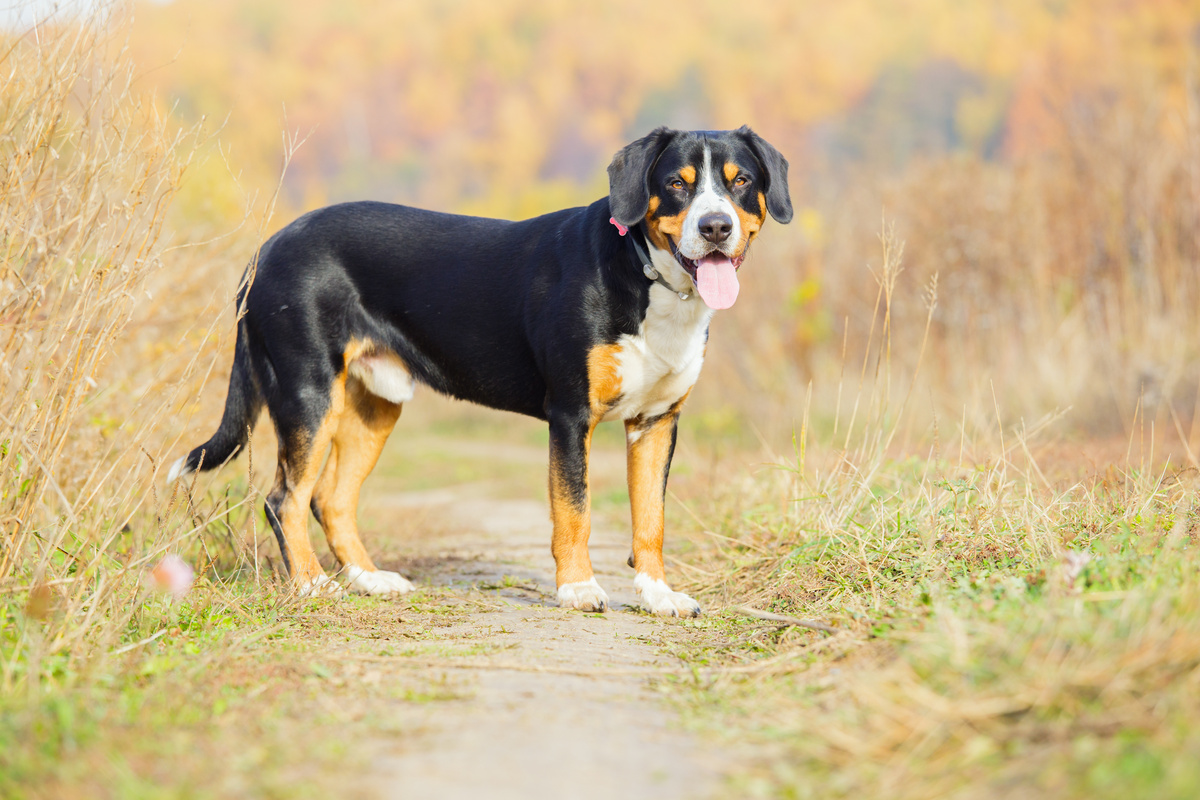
<point x="659" y="266"/>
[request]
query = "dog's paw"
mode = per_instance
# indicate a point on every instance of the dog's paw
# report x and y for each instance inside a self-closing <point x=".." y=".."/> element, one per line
<point x="379" y="583"/>
<point x="583" y="595"/>
<point x="320" y="586"/>
<point x="660" y="600"/>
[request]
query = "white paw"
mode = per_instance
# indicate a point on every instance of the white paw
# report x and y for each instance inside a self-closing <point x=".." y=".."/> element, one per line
<point x="583" y="595"/>
<point x="321" y="586"/>
<point x="659" y="598"/>
<point x="379" y="583"/>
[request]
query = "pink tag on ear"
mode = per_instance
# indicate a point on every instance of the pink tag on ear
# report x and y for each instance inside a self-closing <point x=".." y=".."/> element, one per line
<point x="621" y="229"/>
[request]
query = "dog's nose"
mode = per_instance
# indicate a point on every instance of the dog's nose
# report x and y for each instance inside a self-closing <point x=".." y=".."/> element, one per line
<point x="716" y="227"/>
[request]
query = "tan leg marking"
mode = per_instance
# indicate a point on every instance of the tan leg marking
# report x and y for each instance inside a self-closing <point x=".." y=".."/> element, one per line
<point x="362" y="431"/>
<point x="647" y="451"/>
<point x="299" y="469"/>
<point x="572" y="525"/>
<point x="572" y="518"/>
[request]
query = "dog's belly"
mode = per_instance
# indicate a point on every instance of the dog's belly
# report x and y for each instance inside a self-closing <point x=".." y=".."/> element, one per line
<point x="661" y="363"/>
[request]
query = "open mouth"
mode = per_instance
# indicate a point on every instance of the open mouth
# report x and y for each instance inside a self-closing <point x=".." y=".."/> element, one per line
<point x="692" y="266"/>
<point x="715" y="276"/>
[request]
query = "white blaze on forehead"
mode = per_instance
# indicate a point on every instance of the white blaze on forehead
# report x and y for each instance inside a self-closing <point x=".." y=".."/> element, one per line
<point x="711" y="197"/>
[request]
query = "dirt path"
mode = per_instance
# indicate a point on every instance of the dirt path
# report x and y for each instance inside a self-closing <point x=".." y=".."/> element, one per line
<point x="558" y="704"/>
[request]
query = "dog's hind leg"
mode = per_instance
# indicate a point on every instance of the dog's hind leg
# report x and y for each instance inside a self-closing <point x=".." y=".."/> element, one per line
<point x="362" y="430"/>
<point x="304" y="435"/>
<point x="649" y="447"/>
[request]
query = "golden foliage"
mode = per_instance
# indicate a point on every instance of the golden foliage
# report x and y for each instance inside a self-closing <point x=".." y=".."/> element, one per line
<point x="1037" y="156"/>
<point x="476" y="104"/>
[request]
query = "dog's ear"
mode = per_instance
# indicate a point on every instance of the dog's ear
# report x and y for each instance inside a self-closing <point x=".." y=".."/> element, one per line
<point x="779" y="200"/>
<point x="629" y="176"/>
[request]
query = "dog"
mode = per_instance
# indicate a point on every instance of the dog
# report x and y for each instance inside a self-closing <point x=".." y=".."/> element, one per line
<point x="575" y="317"/>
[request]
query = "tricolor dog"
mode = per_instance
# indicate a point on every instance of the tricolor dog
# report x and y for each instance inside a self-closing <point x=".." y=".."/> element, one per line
<point x="575" y="317"/>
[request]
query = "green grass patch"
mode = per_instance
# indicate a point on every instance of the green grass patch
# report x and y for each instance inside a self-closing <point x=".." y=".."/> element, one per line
<point x="997" y="636"/>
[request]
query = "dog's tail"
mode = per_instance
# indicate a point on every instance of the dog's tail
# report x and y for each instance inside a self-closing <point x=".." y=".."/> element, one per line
<point x="242" y="406"/>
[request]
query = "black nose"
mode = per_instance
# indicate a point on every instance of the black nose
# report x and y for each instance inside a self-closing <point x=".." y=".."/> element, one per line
<point x="716" y="227"/>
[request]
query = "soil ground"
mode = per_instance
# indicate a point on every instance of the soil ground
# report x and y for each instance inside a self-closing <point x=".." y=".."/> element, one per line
<point x="548" y="702"/>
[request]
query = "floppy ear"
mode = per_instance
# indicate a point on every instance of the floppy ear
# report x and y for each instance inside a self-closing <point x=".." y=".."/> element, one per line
<point x="779" y="201"/>
<point x="629" y="176"/>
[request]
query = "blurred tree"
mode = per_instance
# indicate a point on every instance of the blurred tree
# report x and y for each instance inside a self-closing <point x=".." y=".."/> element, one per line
<point x="453" y="104"/>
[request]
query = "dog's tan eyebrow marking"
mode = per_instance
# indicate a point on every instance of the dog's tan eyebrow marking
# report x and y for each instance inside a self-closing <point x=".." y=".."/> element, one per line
<point x="731" y="171"/>
<point x="688" y="174"/>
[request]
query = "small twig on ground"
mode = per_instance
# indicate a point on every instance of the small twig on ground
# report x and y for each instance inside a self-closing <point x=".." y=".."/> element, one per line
<point x="784" y="620"/>
<point x="136" y="645"/>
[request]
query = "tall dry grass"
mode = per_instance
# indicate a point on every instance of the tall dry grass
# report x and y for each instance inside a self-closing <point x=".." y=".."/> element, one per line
<point x="88" y="173"/>
<point x="1007" y="623"/>
<point x="1067" y="272"/>
<point x="91" y="168"/>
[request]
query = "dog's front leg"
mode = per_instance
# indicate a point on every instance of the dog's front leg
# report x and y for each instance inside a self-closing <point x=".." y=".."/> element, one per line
<point x="649" y="447"/>
<point x="570" y="510"/>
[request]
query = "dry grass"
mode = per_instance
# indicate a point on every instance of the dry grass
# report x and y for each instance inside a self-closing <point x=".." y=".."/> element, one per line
<point x="101" y="676"/>
<point x="1017" y="604"/>
<point x="1066" y="274"/>
<point x="90" y="171"/>
<point x="1007" y="627"/>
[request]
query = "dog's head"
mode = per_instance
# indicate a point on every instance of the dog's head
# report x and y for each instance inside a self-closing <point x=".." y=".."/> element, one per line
<point x="702" y="196"/>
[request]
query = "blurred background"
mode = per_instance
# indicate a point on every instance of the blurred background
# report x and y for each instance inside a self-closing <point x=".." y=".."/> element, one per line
<point x="1041" y="158"/>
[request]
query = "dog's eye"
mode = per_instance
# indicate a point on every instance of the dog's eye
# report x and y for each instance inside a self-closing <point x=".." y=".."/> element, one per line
<point x="740" y="180"/>
<point x="675" y="184"/>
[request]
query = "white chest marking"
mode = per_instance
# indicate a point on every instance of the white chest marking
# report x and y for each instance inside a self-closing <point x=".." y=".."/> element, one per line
<point x="662" y="361"/>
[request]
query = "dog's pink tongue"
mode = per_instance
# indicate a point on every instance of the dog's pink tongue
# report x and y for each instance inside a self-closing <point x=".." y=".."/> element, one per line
<point x="717" y="282"/>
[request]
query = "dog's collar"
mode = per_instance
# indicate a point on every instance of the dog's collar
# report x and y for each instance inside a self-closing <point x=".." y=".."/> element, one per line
<point x="647" y="266"/>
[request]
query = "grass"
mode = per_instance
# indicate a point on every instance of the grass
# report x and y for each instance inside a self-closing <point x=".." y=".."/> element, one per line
<point x="264" y="690"/>
<point x="1028" y="644"/>
<point x="1005" y="627"/>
